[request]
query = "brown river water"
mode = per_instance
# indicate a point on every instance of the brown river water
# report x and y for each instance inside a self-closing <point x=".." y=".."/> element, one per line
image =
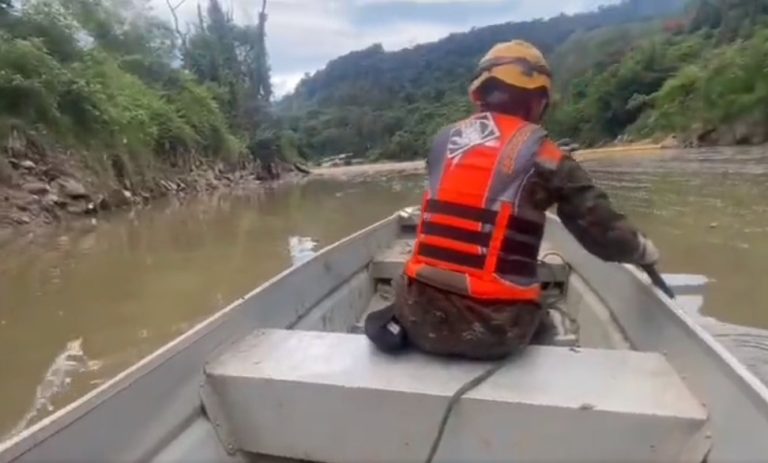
<point x="85" y="302"/>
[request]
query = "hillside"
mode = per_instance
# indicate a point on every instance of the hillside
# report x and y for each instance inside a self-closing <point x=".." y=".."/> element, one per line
<point x="626" y="70"/>
<point x="703" y="79"/>
<point x="388" y="104"/>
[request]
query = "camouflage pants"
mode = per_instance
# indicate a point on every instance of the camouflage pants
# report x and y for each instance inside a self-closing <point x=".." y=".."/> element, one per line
<point x="449" y="324"/>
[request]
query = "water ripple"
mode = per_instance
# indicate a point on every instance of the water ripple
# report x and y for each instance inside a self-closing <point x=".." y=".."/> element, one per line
<point x="71" y="361"/>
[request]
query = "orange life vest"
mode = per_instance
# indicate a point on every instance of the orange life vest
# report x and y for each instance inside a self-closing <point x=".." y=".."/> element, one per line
<point x="478" y="235"/>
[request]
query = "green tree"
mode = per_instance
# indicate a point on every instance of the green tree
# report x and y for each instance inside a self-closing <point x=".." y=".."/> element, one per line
<point x="101" y="79"/>
<point x="234" y="59"/>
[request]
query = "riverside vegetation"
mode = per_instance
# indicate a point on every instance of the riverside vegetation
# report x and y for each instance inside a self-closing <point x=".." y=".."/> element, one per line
<point x="103" y="104"/>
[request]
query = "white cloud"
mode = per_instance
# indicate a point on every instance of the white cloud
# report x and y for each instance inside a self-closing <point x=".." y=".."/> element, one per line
<point x="304" y="43"/>
<point x="284" y="83"/>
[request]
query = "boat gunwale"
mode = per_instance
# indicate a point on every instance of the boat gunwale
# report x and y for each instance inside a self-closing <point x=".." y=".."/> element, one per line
<point x="683" y="317"/>
<point x="752" y="382"/>
<point x="26" y="440"/>
<point x="653" y="321"/>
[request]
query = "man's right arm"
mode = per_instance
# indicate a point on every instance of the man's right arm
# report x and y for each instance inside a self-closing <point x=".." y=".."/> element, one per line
<point x="587" y="212"/>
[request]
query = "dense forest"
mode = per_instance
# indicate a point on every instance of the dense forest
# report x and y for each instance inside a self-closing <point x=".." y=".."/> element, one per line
<point x="702" y="77"/>
<point x="638" y="69"/>
<point x="127" y="94"/>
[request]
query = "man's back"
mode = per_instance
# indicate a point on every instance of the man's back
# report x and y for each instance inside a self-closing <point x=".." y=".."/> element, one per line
<point x="471" y="286"/>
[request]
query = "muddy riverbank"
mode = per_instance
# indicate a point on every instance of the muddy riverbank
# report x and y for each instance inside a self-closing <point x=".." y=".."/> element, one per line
<point x="44" y="192"/>
<point x="41" y="188"/>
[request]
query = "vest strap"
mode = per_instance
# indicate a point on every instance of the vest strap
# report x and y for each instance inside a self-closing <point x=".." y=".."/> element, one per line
<point x="482" y="239"/>
<point x="516" y="267"/>
<point x="515" y="247"/>
<point x="461" y="211"/>
<point x="451" y="256"/>
<point x="526" y="227"/>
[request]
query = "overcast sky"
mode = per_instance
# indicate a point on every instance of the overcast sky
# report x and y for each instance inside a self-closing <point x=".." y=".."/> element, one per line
<point x="303" y="35"/>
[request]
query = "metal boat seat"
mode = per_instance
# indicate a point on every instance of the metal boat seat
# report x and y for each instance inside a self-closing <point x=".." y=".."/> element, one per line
<point x="330" y="397"/>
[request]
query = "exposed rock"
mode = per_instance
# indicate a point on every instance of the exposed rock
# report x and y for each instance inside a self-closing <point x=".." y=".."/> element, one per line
<point x="16" y="144"/>
<point x="691" y="143"/>
<point x="741" y="131"/>
<point x="747" y="130"/>
<point x="305" y="170"/>
<point x="72" y="188"/>
<point x="145" y="196"/>
<point x="116" y="198"/>
<point x="24" y="201"/>
<point x="81" y="207"/>
<point x="36" y="188"/>
<point x="102" y="203"/>
<point x="168" y="186"/>
<point x="671" y="142"/>
<point x="77" y="207"/>
<point x="48" y="188"/>
<point x="126" y="195"/>
<point x="51" y="202"/>
<point x="21" y="219"/>
<point x="56" y="200"/>
<point x="704" y="136"/>
<point x="55" y="171"/>
<point x="750" y="130"/>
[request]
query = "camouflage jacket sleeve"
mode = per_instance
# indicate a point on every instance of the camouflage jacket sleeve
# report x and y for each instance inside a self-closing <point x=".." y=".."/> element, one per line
<point x="585" y="210"/>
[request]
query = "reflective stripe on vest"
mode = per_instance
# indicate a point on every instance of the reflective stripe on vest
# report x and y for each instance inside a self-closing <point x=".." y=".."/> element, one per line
<point x="477" y="235"/>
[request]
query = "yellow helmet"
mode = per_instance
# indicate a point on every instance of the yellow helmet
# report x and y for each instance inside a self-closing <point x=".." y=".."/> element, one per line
<point x="516" y="63"/>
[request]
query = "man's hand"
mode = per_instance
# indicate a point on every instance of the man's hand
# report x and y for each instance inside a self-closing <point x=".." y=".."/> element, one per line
<point x="648" y="253"/>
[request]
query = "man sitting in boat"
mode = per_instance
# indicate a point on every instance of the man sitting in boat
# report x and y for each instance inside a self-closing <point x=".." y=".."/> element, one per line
<point x="470" y="288"/>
